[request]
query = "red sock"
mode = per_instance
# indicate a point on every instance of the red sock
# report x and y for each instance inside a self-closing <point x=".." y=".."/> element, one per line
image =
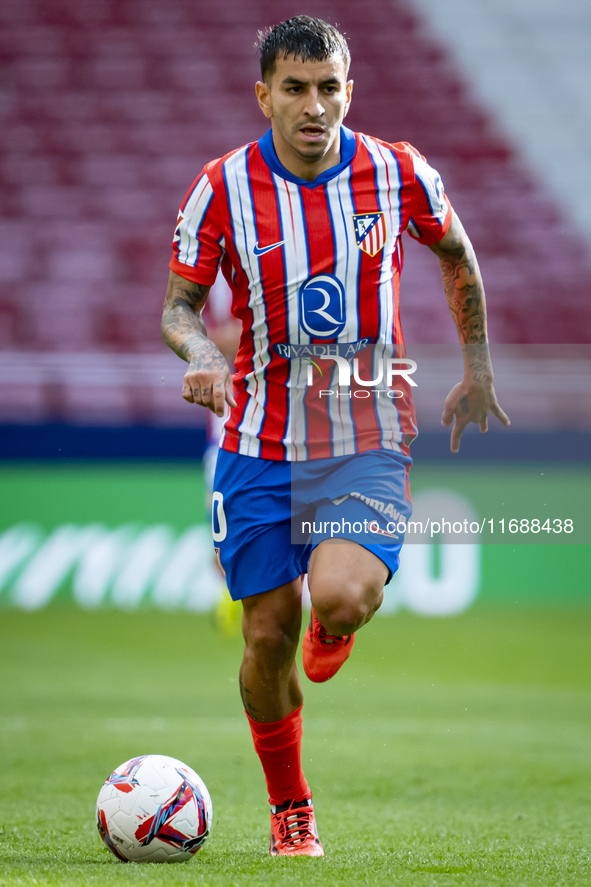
<point x="279" y="746"/>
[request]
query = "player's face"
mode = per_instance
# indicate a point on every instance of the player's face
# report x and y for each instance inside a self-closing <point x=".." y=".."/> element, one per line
<point x="306" y="102"/>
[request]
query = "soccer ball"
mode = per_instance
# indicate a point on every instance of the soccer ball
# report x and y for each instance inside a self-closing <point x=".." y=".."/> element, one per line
<point x="154" y="809"/>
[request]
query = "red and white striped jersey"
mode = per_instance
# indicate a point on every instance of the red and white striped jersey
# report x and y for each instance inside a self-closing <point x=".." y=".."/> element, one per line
<point x="314" y="271"/>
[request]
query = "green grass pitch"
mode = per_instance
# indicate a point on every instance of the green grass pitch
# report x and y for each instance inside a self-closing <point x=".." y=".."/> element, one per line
<point x="446" y="752"/>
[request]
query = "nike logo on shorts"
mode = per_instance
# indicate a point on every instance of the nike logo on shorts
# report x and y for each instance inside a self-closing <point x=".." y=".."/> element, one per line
<point x="261" y="250"/>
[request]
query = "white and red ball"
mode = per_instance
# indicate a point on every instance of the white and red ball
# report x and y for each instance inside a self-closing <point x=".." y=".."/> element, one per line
<point x="154" y="809"/>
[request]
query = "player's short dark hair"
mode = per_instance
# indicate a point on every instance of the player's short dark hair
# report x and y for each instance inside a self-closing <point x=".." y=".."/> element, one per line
<point x="304" y="38"/>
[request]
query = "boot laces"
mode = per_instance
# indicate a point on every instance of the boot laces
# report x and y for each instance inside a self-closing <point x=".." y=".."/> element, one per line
<point x="294" y="826"/>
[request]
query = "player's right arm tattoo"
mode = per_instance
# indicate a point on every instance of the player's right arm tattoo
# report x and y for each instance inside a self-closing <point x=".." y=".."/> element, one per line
<point x="464" y="291"/>
<point x="183" y="328"/>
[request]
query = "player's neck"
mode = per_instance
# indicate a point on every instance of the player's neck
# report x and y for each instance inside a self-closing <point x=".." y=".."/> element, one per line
<point x="303" y="167"/>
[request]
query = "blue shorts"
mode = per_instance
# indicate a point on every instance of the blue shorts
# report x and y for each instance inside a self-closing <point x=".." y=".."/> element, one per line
<point x="268" y="516"/>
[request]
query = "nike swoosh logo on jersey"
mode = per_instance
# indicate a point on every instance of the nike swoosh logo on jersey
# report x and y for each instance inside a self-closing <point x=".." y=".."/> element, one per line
<point x="261" y="250"/>
<point x="340" y="499"/>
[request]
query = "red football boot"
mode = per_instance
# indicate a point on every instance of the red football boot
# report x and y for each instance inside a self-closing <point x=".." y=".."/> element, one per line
<point x="293" y="830"/>
<point x="323" y="653"/>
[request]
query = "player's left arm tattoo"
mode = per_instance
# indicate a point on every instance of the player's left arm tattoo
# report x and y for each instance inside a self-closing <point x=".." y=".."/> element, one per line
<point x="464" y="291"/>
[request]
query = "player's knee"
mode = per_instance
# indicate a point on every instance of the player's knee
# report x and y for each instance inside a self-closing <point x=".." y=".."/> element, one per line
<point x="271" y="645"/>
<point x="342" y="610"/>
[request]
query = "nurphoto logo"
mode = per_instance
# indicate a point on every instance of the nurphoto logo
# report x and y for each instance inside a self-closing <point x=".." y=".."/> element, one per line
<point x="386" y="370"/>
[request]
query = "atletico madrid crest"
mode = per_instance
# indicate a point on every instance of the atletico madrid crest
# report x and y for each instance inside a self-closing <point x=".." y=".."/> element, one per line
<point x="370" y="232"/>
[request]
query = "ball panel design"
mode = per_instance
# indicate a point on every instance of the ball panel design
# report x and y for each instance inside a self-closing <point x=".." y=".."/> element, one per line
<point x="154" y="808"/>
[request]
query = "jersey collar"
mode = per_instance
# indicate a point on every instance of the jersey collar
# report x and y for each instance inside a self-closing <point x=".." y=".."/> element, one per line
<point x="348" y="149"/>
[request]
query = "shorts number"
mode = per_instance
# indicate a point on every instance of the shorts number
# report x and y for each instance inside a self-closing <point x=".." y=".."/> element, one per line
<point x="217" y="511"/>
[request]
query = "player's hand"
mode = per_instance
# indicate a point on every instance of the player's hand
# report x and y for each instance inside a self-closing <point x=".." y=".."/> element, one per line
<point x="209" y="383"/>
<point x="470" y="402"/>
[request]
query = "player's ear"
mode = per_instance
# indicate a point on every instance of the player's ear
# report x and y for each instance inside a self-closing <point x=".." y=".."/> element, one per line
<point x="263" y="94"/>
<point x="349" y="91"/>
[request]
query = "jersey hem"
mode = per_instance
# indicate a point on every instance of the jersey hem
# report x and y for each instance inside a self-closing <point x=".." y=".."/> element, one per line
<point x="279" y="452"/>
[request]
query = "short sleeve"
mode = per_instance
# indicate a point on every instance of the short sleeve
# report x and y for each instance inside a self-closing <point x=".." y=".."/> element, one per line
<point x="430" y="209"/>
<point x="198" y="242"/>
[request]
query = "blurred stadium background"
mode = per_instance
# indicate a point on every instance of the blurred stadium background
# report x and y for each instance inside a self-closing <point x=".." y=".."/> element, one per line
<point x="109" y="109"/>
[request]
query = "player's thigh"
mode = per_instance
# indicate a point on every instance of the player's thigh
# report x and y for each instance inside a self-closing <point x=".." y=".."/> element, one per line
<point x="251" y="523"/>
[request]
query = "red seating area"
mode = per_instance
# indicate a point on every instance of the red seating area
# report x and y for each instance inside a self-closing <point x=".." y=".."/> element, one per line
<point x="109" y="108"/>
